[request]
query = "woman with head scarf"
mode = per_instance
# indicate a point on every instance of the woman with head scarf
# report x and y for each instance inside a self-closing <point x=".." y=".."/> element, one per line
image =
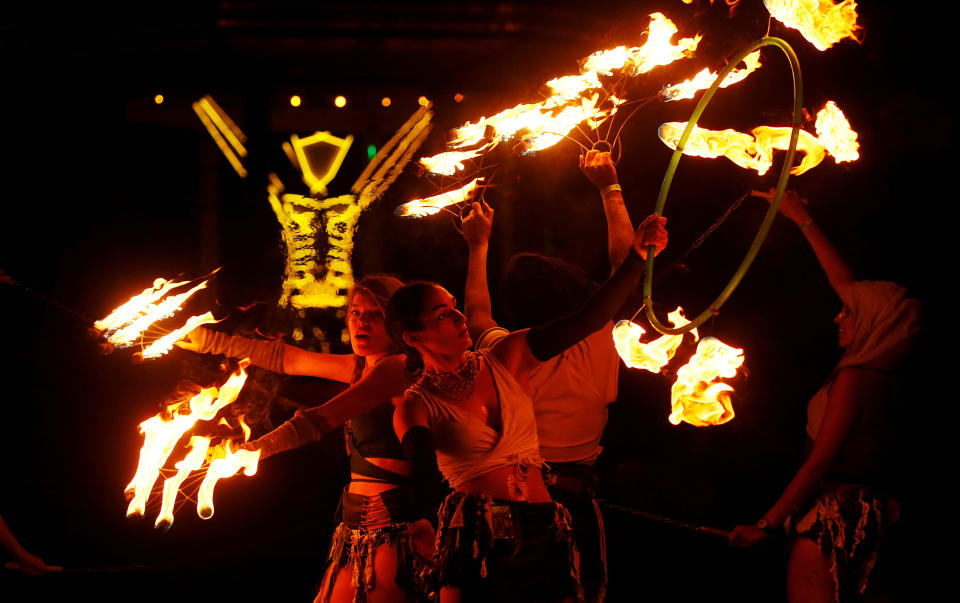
<point x="835" y="507"/>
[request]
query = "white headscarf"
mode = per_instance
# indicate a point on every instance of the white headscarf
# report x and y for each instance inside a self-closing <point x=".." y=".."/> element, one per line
<point x="885" y="322"/>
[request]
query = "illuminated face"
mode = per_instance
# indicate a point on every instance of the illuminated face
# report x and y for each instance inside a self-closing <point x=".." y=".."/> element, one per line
<point x="444" y="329"/>
<point x="368" y="332"/>
<point x="844" y="327"/>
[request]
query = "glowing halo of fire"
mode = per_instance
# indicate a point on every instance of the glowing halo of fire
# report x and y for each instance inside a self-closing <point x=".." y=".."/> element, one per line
<point x="714" y="307"/>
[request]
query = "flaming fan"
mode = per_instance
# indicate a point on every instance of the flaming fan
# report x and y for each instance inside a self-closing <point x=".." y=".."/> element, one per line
<point x="581" y="103"/>
<point x="135" y="321"/>
<point x="203" y="466"/>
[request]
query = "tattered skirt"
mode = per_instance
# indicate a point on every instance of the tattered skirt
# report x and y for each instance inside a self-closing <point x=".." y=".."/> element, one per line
<point x="369" y="524"/>
<point x="847" y="523"/>
<point x="501" y="550"/>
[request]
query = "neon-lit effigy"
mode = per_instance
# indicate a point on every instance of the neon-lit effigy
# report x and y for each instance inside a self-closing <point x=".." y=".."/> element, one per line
<point x="228" y="137"/>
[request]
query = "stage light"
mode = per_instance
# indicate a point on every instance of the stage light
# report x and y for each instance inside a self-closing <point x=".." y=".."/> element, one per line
<point x="371" y="152"/>
<point x="295" y="100"/>
<point x="385" y="101"/>
<point x="340" y="101"/>
<point x="158" y="99"/>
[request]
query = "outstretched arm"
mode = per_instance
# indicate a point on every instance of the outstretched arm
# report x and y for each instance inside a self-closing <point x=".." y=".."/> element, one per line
<point x="271" y="354"/>
<point x="599" y="169"/>
<point x="837" y="271"/>
<point x="843" y="405"/>
<point x="476" y="302"/>
<point x="385" y="381"/>
<point x="523" y="350"/>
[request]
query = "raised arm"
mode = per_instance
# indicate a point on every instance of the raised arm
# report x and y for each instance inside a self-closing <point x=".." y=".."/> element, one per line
<point x="271" y="354"/>
<point x="837" y="271"/>
<point x="476" y="302"/>
<point x="599" y="169"/>
<point x="385" y="381"/>
<point x="523" y="350"/>
<point x="851" y="386"/>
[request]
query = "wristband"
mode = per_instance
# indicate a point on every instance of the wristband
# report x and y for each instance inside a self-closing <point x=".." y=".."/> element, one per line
<point x="610" y="189"/>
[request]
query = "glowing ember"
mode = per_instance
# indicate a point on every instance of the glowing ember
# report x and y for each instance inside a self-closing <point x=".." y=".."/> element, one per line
<point x="160" y="434"/>
<point x="822" y="22"/>
<point x="219" y="468"/>
<point x="651" y="356"/>
<point x="751" y="151"/>
<point x="575" y="100"/>
<point x="697" y="397"/>
<point x="704" y="79"/>
<point x="835" y="133"/>
<point x="419" y="208"/>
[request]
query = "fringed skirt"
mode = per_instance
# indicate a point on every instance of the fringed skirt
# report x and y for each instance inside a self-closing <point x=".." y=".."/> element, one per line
<point x="847" y="523"/>
<point x="369" y="522"/>
<point x="500" y="550"/>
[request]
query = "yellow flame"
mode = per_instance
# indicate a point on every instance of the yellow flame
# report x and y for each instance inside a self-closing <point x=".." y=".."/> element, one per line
<point x="137" y="306"/>
<point x="652" y="356"/>
<point x="164" y="344"/>
<point x="697" y="397"/>
<point x="220" y="468"/>
<point x="160" y="435"/>
<point x="751" y="151"/>
<point x="171" y="486"/>
<point x="704" y="79"/>
<point x="835" y="133"/>
<point x="160" y="310"/>
<point x="575" y="100"/>
<point x="822" y="22"/>
<point x="449" y="162"/>
<point x="419" y="208"/>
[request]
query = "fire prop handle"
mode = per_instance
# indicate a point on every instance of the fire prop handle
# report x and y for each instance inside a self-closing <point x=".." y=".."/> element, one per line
<point x="774" y="205"/>
<point x="665" y="520"/>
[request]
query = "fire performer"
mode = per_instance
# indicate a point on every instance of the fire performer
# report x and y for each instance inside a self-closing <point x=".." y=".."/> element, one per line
<point x="501" y="536"/>
<point x="379" y="550"/>
<point x="570" y="391"/>
<point x="835" y="507"/>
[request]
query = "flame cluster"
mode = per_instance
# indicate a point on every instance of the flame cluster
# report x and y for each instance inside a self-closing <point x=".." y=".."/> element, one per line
<point x="161" y="434"/>
<point x="754" y="151"/>
<point x="572" y="101"/>
<point x="697" y="395"/>
<point x="822" y="22"/>
<point x="130" y="323"/>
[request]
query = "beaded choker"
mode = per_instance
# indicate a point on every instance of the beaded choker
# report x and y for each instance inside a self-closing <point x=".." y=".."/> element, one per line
<point x="456" y="384"/>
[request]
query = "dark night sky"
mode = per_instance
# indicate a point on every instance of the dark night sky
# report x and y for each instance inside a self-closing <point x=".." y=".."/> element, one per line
<point x="105" y="190"/>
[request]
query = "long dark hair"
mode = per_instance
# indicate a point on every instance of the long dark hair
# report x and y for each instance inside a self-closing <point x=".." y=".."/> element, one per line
<point x="379" y="288"/>
<point x="403" y="314"/>
<point x="539" y="288"/>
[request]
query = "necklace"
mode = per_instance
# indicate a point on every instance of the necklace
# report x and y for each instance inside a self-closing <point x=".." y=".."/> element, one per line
<point x="456" y="384"/>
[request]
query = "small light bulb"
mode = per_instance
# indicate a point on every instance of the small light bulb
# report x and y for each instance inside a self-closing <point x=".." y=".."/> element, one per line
<point x="458" y="97"/>
<point x="424" y="101"/>
<point x="158" y="99"/>
<point x="340" y="101"/>
<point x="385" y="101"/>
<point x="295" y="100"/>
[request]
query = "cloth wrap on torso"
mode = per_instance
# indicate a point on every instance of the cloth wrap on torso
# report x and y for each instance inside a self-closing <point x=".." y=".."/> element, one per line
<point x="468" y="448"/>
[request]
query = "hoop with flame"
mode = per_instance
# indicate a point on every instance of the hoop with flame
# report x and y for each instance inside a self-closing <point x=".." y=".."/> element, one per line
<point x="822" y="22"/>
<point x="651" y="356"/>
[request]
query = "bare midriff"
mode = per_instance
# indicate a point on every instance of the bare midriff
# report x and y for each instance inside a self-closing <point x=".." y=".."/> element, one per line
<point x="497" y="484"/>
<point x="368" y="488"/>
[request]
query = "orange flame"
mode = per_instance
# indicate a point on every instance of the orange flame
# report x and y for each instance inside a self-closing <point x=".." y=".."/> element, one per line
<point x="227" y="466"/>
<point x="835" y="133"/>
<point x="419" y="208"/>
<point x="171" y="486"/>
<point x="697" y="397"/>
<point x="161" y="435"/>
<point x="651" y="356"/>
<point x="450" y="162"/>
<point x="163" y="345"/>
<point x="751" y="151"/>
<point x="705" y="79"/>
<point x="137" y="306"/>
<point x="575" y="100"/>
<point x="822" y="22"/>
